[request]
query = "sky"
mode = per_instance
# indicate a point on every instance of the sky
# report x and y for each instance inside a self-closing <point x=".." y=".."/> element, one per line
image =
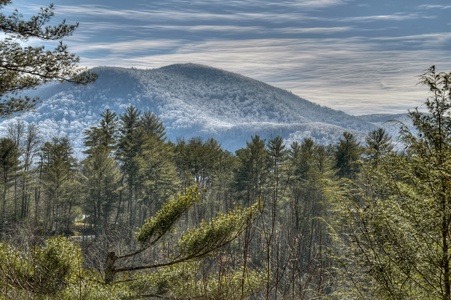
<point x="358" y="56"/>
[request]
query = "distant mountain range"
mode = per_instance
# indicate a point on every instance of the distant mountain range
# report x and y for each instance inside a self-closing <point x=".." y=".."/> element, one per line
<point x="193" y="101"/>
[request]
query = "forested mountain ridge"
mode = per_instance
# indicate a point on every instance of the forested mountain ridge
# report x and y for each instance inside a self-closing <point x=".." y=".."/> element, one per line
<point x="192" y="100"/>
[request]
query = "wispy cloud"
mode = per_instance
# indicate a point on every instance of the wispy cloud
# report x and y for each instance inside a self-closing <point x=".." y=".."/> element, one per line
<point x="378" y="18"/>
<point x="319" y="3"/>
<point x="158" y="15"/>
<point x="357" y="57"/>
<point x="344" y="74"/>
<point x="434" y="6"/>
<point x="128" y="48"/>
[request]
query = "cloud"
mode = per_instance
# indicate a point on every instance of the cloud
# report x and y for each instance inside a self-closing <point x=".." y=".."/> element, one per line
<point x="348" y="74"/>
<point x="434" y="6"/>
<point x="127" y="48"/>
<point x="338" y="53"/>
<point x="178" y="15"/>
<point x="231" y="29"/>
<point x="378" y="18"/>
<point x="318" y="3"/>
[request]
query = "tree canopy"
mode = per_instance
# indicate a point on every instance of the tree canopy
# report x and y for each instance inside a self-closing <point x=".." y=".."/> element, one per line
<point x="397" y="214"/>
<point x="25" y="67"/>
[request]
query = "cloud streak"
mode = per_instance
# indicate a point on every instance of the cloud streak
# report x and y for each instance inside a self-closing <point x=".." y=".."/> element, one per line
<point x="360" y="58"/>
<point x="381" y="81"/>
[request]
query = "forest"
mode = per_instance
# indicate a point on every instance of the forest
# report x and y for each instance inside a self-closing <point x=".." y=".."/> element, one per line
<point x="141" y="217"/>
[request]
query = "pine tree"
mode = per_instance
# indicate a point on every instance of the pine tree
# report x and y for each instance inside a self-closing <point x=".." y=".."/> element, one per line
<point x="101" y="172"/>
<point x="311" y="174"/>
<point x="378" y="144"/>
<point x="9" y="164"/>
<point x="253" y="172"/>
<point x="59" y="181"/>
<point x="347" y="155"/>
<point x="192" y="245"/>
<point x="128" y="149"/>
<point x="24" y="67"/>
<point x="156" y="168"/>
<point x="399" y="218"/>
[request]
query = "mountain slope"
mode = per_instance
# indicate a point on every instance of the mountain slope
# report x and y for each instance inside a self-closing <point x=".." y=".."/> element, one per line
<point x="192" y="100"/>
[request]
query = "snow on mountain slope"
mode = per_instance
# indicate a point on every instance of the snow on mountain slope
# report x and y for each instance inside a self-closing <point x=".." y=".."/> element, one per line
<point x="192" y="100"/>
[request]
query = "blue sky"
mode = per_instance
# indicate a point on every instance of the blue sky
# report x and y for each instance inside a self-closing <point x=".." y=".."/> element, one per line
<point x="359" y="56"/>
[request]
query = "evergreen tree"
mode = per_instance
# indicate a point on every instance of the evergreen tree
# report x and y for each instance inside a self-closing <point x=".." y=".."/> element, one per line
<point x="9" y="164"/>
<point x="378" y="144"/>
<point x="156" y="168"/>
<point x="311" y="174"/>
<point x="104" y="135"/>
<point x="192" y="245"/>
<point x="128" y="149"/>
<point x="399" y="218"/>
<point x="24" y="67"/>
<point x="253" y="171"/>
<point x="101" y="172"/>
<point x="347" y="156"/>
<point x="101" y="178"/>
<point x="59" y="182"/>
<point x="272" y="222"/>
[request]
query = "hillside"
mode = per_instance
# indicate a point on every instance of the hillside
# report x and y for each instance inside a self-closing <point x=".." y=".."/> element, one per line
<point x="192" y="100"/>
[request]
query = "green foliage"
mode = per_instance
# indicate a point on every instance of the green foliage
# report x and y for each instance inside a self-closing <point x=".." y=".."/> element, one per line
<point x="52" y="271"/>
<point x="398" y="215"/>
<point x="9" y="165"/>
<point x="25" y="67"/>
<point x="44" y="270"/>
<point x="192" y="244"/>
<point x="253" y="171"/>
<point x="199" y="160"/>
<point x="59" y="181"/>
<point x="156" y="227"/>
<point x="103" y="135"/>
<point x="378" y="144"/>
<point x="101" y="177"/>
<point x="185" y="281"/>
<point x="220" y="231"/>
<point x="347" y="156"/>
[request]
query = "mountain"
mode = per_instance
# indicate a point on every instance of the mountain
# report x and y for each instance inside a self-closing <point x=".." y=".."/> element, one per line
<point x="192" y="100"/>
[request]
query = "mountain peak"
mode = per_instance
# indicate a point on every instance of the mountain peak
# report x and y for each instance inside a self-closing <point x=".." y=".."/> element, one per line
<point x="192" y="100"/>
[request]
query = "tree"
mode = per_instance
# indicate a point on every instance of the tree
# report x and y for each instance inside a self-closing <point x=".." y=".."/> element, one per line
<point x="399" y="218"/>
<point x="53" y="270"/>
<point x="27" y="138"/>
<point x="101" y="178"/>
<point x="252" y="174"/>
<point x="347" y="156"/>
<point x="128" y="149"/>
<point x="101" y="172"/>
<point x="378" y="144"/>
<point x="59" y="182"/>
<point x="104" y="135"/>
<point x="26" y="67"/>
<point x="9" y="163"/>
<point x="157" y="173"/>
<point x="192" y="245"/>
<point x="271" y="233"/>
<point x="309" y="270"/>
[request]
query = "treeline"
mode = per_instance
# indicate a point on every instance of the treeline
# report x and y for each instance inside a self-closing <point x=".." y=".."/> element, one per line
<point x="131" y="170"/>
<point x="150" y="218"/>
